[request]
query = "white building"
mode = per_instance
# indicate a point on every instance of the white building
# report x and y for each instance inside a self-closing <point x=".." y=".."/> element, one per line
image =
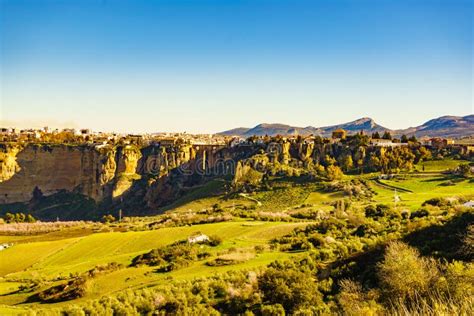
<point x="199" y="238"/>
<point x="385" y="143"/>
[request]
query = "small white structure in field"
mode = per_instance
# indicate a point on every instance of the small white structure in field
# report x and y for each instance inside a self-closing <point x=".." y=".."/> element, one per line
<point x="5" y="246"/>
<point x="198" y="238"/>
<point x="469" y="204"/>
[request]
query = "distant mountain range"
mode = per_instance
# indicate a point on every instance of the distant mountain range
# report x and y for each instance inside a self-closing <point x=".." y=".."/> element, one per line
<point x="445" y="126"/>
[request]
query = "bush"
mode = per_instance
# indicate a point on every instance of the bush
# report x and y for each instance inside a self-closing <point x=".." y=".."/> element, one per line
<point x="403" y="274"/>
<point x="171" y="257"/>
<point x="291" y="288"/>
<point x="218" y="262"/>
<point x="420" y="213"/>
<point x="377" y="211"/>
<point x="440" y="202"/>
<point x="273" y="310"/>
<point x="215" y="240"/>
<point x="64" y="292"/>
<point x="354" y="301"/>
<point x="108" y="218"/>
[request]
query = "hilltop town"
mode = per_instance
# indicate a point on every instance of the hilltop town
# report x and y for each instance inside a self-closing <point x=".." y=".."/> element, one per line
<point x="73" y="136"/>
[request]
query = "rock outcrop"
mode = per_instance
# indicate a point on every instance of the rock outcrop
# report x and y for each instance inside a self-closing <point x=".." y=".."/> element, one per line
<point x="98" y="172"/>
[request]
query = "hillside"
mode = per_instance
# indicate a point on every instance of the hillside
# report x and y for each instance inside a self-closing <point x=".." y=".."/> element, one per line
<point x="366" y="124"/>
<point x="445" y="126"/>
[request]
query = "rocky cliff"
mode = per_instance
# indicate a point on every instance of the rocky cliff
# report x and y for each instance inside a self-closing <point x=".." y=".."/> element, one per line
<point x="49" y="169"/>
<point x="102" y="173"/>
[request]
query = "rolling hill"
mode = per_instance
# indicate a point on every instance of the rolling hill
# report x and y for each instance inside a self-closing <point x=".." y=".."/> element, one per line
<point x="366" y="124"/>
<point x="445" y="126"/>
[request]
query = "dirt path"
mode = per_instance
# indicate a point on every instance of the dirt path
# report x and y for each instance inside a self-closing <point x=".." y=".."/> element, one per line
<point x="250" y="198"/>
<point x="391" y="187"/>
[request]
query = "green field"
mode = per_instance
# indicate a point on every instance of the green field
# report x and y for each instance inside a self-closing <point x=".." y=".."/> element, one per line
<point x="48" y="260"/>
<point x="422" y="189"/>
<point x="438" y="165"/>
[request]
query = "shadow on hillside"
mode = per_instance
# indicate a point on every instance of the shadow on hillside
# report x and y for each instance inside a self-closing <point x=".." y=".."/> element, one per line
<point x="212" y="188"/>
<point x="442" y="241"/>
<point x="445" y="177"/>
<point x="439" y="241"/>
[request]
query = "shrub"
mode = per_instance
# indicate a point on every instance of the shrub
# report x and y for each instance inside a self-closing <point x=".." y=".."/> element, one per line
<point x="333" y="173"/>
<point x="218" y="262"/>
<point x="420" y="213"/>
<point x="291" y="288"/>
<point x="440" y="202"/>
<point x="377" y="211"/>
<point x="403" y="274"/>
<point x="171" y="257"/>
<point x="354" y="301"/>
<point x="273" y="310"/>
<point x="215" y="240"/>
<point x="108" y="218"/>
<point x="64" y="292"/>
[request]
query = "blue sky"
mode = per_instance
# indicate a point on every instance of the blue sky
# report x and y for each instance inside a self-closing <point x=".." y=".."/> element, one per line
<point x="207" y="66"/>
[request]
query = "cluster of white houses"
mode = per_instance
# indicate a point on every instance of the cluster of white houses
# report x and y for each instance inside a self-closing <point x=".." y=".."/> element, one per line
<point x="81" y="136"/>
<point x="71" y="135"/>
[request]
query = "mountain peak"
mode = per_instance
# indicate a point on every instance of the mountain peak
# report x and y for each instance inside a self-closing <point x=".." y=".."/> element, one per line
<point x="365" y="121"/>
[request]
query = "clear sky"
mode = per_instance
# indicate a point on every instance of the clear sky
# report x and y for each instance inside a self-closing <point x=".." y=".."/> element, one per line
<point x="207" y="66"/>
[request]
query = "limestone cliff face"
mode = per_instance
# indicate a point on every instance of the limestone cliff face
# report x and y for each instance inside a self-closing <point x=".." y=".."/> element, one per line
<point x="8" y="163"/>
<point x="50" y="168"/>
<point x="128" y="158"/>
<point x="144" y="177"/>
<point x="99" y="172"/>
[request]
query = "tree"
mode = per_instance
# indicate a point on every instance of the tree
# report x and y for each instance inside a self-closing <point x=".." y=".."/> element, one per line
<point x="347" y="163"/>
<point x="464" y="170"/>
<point x="374" y="162"/>
<point x="30" y="219"/>
<point x="376" y="135"/>
<point x="215" y="240"/>
<point x="289" y="287"/>
<point x="413" y="139"/>
<point x="422" y="154"/>
<point x="37" y="194"/>
<point x="403" y="273"/>
<point x="328" y="160"/>
<point x="404" y="139"/>
<point x="387" y="135"/>
<point x="273" y="310"/>
<point x="9" y="218"/>
<point x="333" y="173"/>
<point x="20" y="217"/>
